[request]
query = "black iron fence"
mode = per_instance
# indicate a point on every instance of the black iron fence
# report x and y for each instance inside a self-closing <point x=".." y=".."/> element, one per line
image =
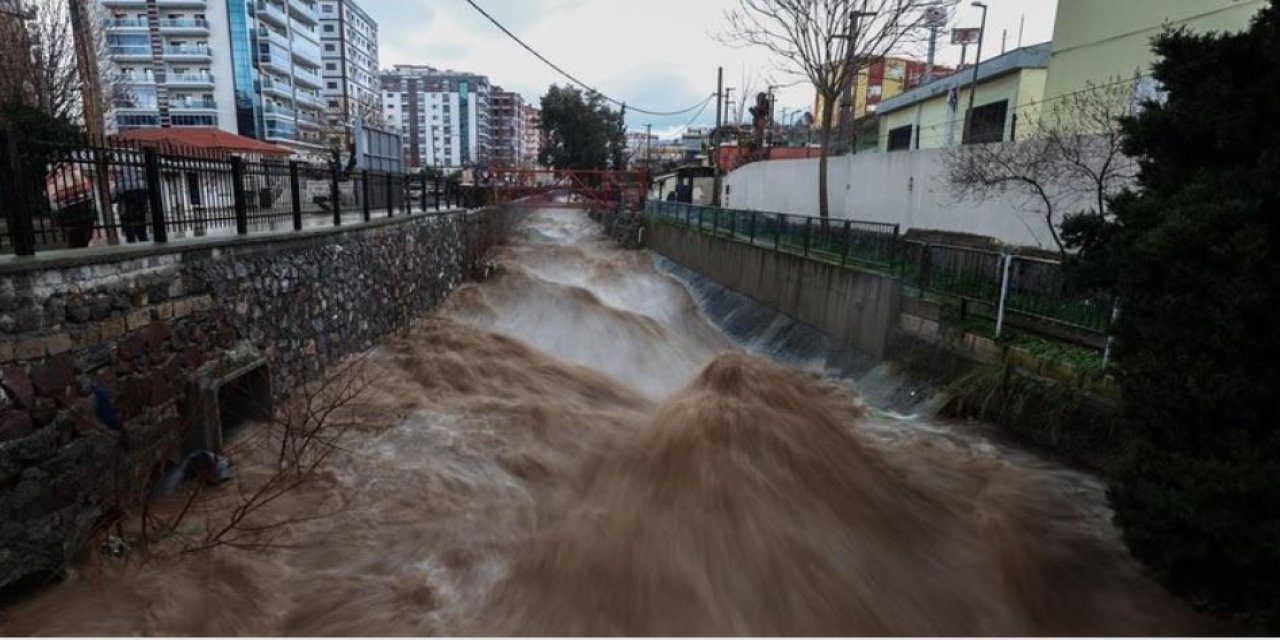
<point x="81" y="194"/>
<point x="994" y="284"/>
<point x="848" y="242"/>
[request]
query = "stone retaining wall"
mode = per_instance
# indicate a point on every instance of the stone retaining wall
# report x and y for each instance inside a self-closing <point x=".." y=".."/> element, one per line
<point x="135" y="324"/>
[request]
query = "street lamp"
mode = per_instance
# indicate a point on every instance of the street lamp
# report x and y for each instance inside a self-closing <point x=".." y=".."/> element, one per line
<point x="973" y="89"/>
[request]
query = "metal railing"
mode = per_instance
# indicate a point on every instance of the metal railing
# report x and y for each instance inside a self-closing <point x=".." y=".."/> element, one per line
<point x="987" y="283"/>
<point x="845" y="242"/>
<point x="75" y="195"/>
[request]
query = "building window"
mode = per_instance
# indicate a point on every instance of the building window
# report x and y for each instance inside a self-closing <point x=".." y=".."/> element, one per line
<point x="328" y="28"/>
<point x="986" y="123"/>
<point x="900" y="138"/>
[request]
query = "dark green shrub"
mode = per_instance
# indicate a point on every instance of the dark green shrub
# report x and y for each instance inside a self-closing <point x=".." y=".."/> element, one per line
<point x="1193" y="253"/>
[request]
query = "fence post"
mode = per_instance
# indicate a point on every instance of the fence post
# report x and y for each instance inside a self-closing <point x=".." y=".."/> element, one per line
<point x="1004" y="293"/>
<point x="733" y="224"/>
<point x="238" y="195"/>
<point x="422" y="179"/>
<point x="20" y="216"/>
<point x="364" y="194"/>
<point x="808" y="233"/>
<point x="848" y="231"/>
<point x="894" y="248"/>
<point x="715" y="222"/>
<point x="155" y="197"/>
<point x="925" y="257"/>
<point x="437" y="194"/>
<point x="779" y="222"/>
<point x="335" y="196"/>
<point x="391" y="201"/>
<point x="295" y="191"/>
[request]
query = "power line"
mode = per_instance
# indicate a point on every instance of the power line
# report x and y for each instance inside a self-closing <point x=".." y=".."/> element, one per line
<point x="697" y="115"/>
<point x="570" y="76"/>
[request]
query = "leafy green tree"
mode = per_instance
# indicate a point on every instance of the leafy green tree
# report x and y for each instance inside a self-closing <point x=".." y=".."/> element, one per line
<point x="1194" y="252"/>
<point x="581" y="131"/>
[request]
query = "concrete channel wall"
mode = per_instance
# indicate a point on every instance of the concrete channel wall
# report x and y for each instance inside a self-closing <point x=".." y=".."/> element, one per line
<point x="858" y="308"/>
<point x="108" y="356"/>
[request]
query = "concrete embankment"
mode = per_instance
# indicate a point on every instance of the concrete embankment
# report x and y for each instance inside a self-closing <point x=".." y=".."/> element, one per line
<point x="858" y="325"/>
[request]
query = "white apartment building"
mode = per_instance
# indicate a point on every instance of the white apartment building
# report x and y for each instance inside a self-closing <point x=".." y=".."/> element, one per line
<point x="443" y="116"/>
<point x="251" y="67"/>
<point x="349" y="47"/>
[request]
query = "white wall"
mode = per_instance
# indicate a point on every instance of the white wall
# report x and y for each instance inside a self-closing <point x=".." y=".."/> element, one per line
<point x="907" y="188"/>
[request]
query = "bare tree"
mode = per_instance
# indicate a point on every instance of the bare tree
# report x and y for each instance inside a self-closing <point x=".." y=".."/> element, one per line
<point x="38" y="60"/>
<point x="1073" y="162"/>
<point x="828" y="42"/>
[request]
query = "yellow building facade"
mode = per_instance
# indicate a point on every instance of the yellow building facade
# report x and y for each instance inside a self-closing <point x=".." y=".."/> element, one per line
<point x="1009" y="90"/>
<point x="1102" y="41"/>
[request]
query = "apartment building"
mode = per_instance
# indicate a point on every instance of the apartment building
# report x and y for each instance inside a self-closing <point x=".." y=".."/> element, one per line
<point x="507" y="127"/>
<point x="349" y="40"/>
<point x="531" y="135"/>
<point x="247" y="67"/>
<point x="442" y="115"/>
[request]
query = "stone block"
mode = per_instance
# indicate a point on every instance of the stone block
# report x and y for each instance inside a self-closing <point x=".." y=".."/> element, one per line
<point x="57" y="344"/>
<point x="29" y="349"/>
<point x="113" y="328"/>
<point x="138" y="319"/>
<point x="51" y="378"/>
<point x="17" y="384"/>
<point x="7" y="353"/>
<point x="163" y="311"/>
<point x="15" y="425"/>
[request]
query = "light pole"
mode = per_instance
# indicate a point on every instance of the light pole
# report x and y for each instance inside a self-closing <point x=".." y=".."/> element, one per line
<point x="973" y="89"/>
<point x="648" y="147"/>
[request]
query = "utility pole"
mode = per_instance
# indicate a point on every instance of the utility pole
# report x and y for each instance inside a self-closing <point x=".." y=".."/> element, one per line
<point x="648" y="148"/>
<point x="973" y="90"/>
<point x="715" y="138"/>
<point x="935" y="19"/>
<point x="849" y="111"/>
<point x="82" y="34"/>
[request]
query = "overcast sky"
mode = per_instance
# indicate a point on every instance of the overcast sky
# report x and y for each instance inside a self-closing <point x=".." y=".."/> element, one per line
<point x="659" y="55"/>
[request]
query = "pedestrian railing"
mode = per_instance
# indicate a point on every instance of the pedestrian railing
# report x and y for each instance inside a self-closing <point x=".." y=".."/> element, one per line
<point x="79" y="193"/>
<point x="987" y="283"/>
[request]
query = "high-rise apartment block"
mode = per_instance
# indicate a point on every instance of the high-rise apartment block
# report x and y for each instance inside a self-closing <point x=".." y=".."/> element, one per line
<point x="507" y="124"/>
<point x="252" y="67"/>
<point x="349" y="41"/>
<point x="443" y="116"/>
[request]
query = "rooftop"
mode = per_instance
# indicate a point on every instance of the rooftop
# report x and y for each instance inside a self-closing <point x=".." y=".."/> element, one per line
<point x="205" y="139"/>
<point x="1035" y="56"/>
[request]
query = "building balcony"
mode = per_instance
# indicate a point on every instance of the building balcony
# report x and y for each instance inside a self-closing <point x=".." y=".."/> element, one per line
<point x="135" y="105"/>
<point x="309" y="120"/>
<point x="182" y="4"/>
<point x="311" y="99"/>
<point x="279" y="111"/>
<point x="307" y="77"/>
<point x="303" y="11"/>
<point x="277" y="88"/>
<point x="130" y="51"/>
<point x="306" y="31"/>
<point x="276" y="60"/>
<point x="272" y="13"/>
<point x="188" y="51"/>
<point x="185" y="25"/>
<point x="274" y="37"/>
<point x="189" y="79"/>
<point x="138" y="78"/>
<point x="306" y="51"/>
<point x="126" y="24"/>
<point x="193" y="104"/>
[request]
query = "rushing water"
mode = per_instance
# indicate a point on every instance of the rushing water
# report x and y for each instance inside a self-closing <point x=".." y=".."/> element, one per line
<point x="573" y="448"/>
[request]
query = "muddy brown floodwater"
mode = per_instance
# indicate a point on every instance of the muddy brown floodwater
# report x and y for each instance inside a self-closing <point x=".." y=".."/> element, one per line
<point x="573" y="448"/>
